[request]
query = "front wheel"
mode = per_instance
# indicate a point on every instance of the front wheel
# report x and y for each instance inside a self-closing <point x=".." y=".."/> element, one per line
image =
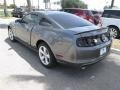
<point x="11" y="34"/>
<point x="46" y="56"/>
<point x="115" y="33"/>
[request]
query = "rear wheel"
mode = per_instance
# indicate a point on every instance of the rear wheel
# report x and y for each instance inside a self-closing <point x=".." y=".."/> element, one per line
<point x="46" y="56"/>
<point x="114" y="31"/>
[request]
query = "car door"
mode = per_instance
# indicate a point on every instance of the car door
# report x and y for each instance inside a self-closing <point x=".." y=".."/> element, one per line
<point x="23" y="28"/>
<point x="106" y="18"/>
<point x="44" y="30"/>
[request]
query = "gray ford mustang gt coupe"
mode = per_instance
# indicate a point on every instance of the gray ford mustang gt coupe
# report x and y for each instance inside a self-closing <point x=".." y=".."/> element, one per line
<point x="61" y="37"/>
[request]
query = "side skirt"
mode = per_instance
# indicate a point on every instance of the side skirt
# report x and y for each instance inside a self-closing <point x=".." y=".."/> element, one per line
<point x="27" y="45"/>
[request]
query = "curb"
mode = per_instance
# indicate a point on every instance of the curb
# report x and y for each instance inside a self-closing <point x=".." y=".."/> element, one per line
<point x="116" y="51"/>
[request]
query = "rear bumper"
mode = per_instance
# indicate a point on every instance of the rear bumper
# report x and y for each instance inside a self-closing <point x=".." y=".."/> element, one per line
<point x="88" y="55"/>
<point x="91" y="54"/>
<point x="92" y="61"/>
<point x="89" y="62"/>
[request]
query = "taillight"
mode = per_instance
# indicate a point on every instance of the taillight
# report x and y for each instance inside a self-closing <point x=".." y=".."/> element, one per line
<point x="82" y="42"/>
<point x="92" y="40"/>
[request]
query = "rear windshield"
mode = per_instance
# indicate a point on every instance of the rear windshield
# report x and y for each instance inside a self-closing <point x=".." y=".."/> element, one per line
<point x="67" y="20"/>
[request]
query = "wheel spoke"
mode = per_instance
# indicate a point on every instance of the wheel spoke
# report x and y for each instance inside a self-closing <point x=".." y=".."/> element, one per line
<point x="46" y="60"/>
<point x="40" y="51"/>
<point x="42" y="57"/>
<point x="44" y="49"/>
<point x="48" y="56"/>
<point x="113" y="32"/>
<point x="10" y="34"/>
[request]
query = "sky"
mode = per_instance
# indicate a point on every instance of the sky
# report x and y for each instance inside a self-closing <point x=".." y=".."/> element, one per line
<point x="92" y="4"/>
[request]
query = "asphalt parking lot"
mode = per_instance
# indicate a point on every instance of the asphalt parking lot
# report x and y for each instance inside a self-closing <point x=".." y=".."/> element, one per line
<point x="20" y="69"/>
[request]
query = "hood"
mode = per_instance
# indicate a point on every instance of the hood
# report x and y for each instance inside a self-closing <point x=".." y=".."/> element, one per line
<point x="78" y="30"/>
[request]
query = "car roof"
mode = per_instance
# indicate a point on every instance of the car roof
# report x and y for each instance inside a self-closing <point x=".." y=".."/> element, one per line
<point x="112" y="9"/>
<point x="50" y="12"/>
<point x="78" y="9"/>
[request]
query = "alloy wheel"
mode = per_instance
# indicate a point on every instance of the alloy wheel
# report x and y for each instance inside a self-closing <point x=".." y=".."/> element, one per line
<point x="44" y="55"/>
<point x="10" y="34"/>
<point x="113" y="32"/>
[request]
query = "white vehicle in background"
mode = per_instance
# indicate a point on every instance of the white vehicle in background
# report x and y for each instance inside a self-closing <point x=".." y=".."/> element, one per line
<point x="111" y="19"/>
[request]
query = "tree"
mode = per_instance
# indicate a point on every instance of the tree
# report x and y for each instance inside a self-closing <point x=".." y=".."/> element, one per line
<point x="57" y="3"/>
<point x="73" y="4"/>
<point x="11" y="6"/>
<point x="46" y="3"/>
<point x="112" y="3"/>
<point x="5" y="8"/>
<point x="107" y="7"/>
<point x="29" y="5"/>
<point x="14" y="4"/>
<point x="1" y="6"/>
<point x="38" y="4"/>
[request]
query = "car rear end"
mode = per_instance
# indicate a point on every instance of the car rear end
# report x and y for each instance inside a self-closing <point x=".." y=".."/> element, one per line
<point x="92" y="46"/>
<point x="81" y="42"/>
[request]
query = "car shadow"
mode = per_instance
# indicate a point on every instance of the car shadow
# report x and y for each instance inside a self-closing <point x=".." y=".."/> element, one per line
<point x="62" y="76"/>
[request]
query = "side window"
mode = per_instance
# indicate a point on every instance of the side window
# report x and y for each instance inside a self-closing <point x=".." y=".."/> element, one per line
<point x="45" y="22"/>
<point x="27" y="18"/>
<point x="31" y="18"/>
<point x="35" y="18"/>
<point x="107" y="13"/>
<point x="116" y="14"/>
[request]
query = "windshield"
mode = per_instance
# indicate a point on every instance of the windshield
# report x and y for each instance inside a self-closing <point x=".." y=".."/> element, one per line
<point x="67" y="20"/>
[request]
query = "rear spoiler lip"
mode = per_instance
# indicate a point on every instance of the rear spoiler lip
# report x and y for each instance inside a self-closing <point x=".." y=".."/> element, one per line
<point x="91" y="30"/>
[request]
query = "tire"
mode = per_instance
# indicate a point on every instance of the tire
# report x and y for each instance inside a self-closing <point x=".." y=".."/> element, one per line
<point x="11" y="35"/>
<point x="115" y="33"/>
<point x="46" y="56"/>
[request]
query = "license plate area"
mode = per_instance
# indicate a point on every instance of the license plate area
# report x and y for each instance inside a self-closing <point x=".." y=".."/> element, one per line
<point x="103" y="51"/>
